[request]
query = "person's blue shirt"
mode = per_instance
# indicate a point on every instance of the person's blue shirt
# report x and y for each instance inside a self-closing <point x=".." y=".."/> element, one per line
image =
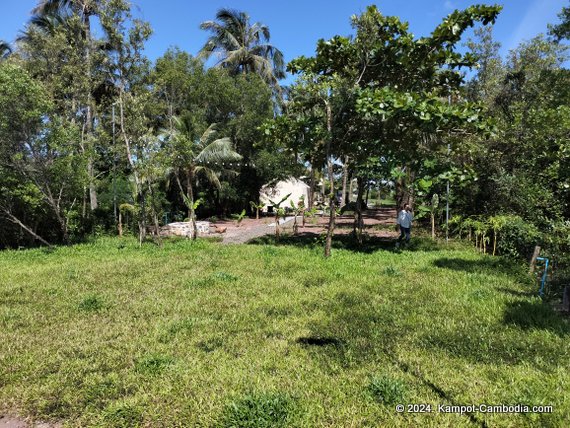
<point x="405" y="219"/>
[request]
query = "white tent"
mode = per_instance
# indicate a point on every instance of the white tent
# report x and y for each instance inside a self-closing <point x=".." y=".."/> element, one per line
<point x="295" y="187"/>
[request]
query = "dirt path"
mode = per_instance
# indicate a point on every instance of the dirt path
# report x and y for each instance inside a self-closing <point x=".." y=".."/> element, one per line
<point x="377" y="222"/>
<point x="10" y="422"/>
<point x="242" y="235"/>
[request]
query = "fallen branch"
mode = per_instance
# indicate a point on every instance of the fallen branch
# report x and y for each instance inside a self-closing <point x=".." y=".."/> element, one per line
<point x="15" y="220"/>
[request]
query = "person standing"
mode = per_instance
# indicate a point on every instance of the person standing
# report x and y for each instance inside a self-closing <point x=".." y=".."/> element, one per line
<point x="404" y="220"/>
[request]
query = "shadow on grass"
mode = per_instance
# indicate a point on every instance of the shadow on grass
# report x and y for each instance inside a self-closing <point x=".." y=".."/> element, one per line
<point x="517" y="293"/>
<point x="528" y="342"/>
<point x="486" y="265"/>
<point x="536" y="315"/>
<point x="354" y="332"/>
<point x="370" y="244"/>
<point x="319" y="341"/>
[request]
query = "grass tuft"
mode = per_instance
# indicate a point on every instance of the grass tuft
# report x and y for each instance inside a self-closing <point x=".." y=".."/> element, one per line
<point x="210" y="345"/>
<point x="387" y="390"/>
<point x="392" y="271"/>
<point x="123" y="415"/>
<point x="91" y="304"/>
<point x="258" y="411"/>
<point x="153" y="365"/>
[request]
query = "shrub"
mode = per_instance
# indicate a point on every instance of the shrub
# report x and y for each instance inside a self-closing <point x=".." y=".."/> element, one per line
<point x="518" y="238"/>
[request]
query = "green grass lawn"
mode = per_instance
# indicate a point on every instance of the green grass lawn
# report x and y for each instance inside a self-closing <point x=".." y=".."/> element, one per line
<point x="200" y="334"/>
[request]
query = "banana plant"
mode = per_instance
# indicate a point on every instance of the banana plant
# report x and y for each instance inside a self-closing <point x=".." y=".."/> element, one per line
<point x="257" y="207"/>
<point x="278" y="212"/>
<point x="240" y="217"/>
<point x="497" y="224"/>
<point x="302" y="207"/>
<point x="298" y="209"/>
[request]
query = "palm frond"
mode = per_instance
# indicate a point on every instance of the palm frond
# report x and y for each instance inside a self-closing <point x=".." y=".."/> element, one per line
<point x="5" y="49"/>
<point x="218" y="152"/>
<point x="51" y="7"/>
<point x="208" y="133"/>
<point x="209" y="174"/>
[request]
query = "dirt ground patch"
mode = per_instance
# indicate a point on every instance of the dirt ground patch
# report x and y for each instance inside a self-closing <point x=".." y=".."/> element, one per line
<point x="13" y="422"/>
<point x="377" y="222"/>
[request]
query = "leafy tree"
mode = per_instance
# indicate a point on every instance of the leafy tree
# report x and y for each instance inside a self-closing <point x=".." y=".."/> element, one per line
<point x="521" y="168"/>
<point x="562" y="29"/>
<point x="53" y="12"/>
<point x="485" y="85"/>
<point x="128" y="71"/>
<point x="176" y="77"/>
<point x="39" y="160"/>
<point x="386" y="83"/>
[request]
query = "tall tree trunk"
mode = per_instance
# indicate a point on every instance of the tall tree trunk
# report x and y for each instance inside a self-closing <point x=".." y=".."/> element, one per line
<point x="344" y="181"/>
<point x="330" y="171"/>
<point x="189" y="180"/>
<point x="141" y="200"/>
<point x="311" y="202"/>
<point x="400" y="191"/>
<point x="410" y="188"/>
<point x="139" y="191"/>
<point x="323" y="190"/>
<point x="358" y="221"/>
<point x="404" y="190"/>
<point x="154" y="215"/>
<point x="93" y="201"/>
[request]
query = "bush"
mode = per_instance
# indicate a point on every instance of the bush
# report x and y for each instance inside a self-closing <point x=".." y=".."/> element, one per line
<point x="518" y="238"/>
<point x="513" y="236"/>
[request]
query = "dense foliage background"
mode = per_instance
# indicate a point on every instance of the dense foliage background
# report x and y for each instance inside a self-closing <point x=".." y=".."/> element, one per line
<point x="91" y="130"/>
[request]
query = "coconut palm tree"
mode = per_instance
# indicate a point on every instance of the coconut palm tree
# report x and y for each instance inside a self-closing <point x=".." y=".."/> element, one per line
<point x="243" y="47"/>
<point x="45" y="24"/>
<point x="192" y="157"/>
<point x="82" y="8"/>
<point x="5" y="49"/>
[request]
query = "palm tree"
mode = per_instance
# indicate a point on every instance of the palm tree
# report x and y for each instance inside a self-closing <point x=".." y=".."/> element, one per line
<point x="5" y="49"/>
<point x="195" y="157"/>
<point x="45" y="24"/>
<point x="82" y="8"/>
<point x="243" y="48"/>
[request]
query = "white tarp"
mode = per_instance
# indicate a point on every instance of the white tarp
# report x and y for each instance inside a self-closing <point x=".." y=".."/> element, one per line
<point x="295" y="187"/>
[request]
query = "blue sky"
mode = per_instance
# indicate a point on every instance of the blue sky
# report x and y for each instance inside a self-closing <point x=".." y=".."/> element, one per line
<point x="296" y="25"/>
